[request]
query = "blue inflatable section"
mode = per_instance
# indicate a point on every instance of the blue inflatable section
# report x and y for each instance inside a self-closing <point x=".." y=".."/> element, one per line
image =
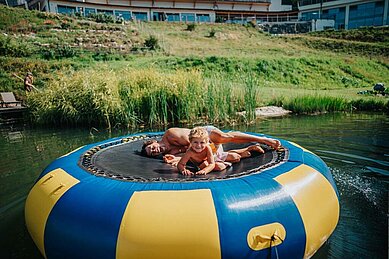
<point x="89" y="215"/>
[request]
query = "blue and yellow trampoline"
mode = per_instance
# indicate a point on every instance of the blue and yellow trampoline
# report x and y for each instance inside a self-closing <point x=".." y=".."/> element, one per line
<point x="104" y="200"/>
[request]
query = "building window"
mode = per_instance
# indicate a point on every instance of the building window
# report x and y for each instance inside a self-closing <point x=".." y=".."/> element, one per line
<point x="125" y="14"/>
<point x="307" y="16"/>
<point x="173" y="17"/>
<point x="387" y="17"/>
<point x="141" y="16"/>
<point x="66" y="9"/>
<point x="107" y="12"/>
<point x="89" y="11"/>
<point x="80" y="10"/>
<point x="369" y="14"/>
<point x="188" y="17"/>
<point x="336" y="14"/>
<point x="309" y="2"/>
<point x="203" y="18"/>
<point x="159" y="16"/>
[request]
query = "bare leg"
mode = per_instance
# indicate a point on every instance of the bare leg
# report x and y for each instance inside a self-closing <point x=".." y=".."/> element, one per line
<point x="203" y="165"/>
<point x="219" y="166"/>
<point x="245" y="152"/>
<point x="219" y="137"/>
<point x="233" y="157"/>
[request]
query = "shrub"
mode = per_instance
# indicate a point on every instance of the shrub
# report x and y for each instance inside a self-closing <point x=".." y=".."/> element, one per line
<point x="152" y="43"/>
<point x="102" y="17"/>
<point x="212" y="33"/>
<point x="13" y="48"/>
<point x="191" y="27"/>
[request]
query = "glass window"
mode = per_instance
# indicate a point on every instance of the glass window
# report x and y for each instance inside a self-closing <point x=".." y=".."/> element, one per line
<point x="80" y="10"/>
<point x="307" y="16"/>
<point x="387" y="19"/>
<point x="188" y="17"/>
<point x="107" y="12"/>
<point x="173" y="17"/>
<point x="203" y="18"/>
<point x="66" y="9"/>
<point x="141" y="16"/>
<point x="89" y="11"/>
<point x="157" y="16"/>
<point x="368" y="14"/>
<point x="125" y="14"/>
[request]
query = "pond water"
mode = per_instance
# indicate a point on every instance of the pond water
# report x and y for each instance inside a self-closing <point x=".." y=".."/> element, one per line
<point x="354" y="146"/>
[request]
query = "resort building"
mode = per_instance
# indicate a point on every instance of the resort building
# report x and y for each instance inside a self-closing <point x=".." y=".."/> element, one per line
<point x="230" y="11"/>
<point x="347" y="14"/>
<point x="308" y="15"/>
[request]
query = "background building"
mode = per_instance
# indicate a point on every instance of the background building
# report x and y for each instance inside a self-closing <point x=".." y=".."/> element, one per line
<point x="229" y="11"/>
<point x="277" y="14"/>
<point x="347" y="14"/>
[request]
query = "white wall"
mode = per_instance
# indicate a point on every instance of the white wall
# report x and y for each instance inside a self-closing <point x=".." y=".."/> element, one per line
<point x="276" y="6"/>
<point x="319" y="25"/>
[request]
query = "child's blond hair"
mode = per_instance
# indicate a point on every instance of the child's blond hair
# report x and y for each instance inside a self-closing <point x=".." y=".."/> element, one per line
<point x="198" y="132"/>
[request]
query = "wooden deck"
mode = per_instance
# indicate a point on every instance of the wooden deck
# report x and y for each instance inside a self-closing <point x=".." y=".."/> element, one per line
<point x="13" y="110"/>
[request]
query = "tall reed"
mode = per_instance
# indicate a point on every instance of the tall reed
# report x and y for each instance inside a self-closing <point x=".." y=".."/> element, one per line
<point x="126" y="97"/>
<point x="251" y="91"/>
<point x="219" y="105"/>
<point x="315" y="103"/>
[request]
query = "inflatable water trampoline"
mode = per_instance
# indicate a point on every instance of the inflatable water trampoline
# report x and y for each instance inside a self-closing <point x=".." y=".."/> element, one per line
<point x="105" y="200"/>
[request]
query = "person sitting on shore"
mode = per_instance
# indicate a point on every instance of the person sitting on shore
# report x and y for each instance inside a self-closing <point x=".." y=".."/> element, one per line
<point x="176" y="141"/>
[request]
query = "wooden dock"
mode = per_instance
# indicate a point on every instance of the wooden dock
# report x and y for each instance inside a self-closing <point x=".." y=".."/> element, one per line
<point x="13" y="110"/>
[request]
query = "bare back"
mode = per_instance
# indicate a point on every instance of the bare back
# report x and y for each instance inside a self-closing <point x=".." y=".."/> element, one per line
<point x="176" y="140"/>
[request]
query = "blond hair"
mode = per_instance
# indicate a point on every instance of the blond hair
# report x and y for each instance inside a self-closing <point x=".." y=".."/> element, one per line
<point x="198" y="132"/>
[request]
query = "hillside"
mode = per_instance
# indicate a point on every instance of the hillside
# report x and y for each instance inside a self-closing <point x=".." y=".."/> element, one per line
<point x="58" y="48"/>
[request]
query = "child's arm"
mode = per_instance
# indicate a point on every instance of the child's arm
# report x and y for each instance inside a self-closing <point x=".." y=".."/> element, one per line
<point x="182" y="164"/>
<point x="210" y="160"/>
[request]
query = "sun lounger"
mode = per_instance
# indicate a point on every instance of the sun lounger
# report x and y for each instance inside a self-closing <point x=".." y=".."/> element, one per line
<point x="8" y="100"/>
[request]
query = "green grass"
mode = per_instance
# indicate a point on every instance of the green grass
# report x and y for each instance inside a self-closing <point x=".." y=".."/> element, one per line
<point x="157" y="73"/>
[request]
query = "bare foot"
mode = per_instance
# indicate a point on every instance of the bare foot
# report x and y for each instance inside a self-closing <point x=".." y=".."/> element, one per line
<point x="256" y="148"/>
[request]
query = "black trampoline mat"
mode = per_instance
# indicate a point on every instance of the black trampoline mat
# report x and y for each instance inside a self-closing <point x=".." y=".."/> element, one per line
<point x="123" y="161"/>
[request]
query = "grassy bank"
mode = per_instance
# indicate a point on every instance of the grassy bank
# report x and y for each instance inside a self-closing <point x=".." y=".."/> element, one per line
<point x="98" y="73"/>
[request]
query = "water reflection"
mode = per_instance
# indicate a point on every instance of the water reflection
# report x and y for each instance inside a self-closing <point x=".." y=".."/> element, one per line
<point x="355" y="146"/>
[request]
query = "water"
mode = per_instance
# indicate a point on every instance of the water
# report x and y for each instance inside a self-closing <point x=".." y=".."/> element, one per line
<point x="354" y="146"/>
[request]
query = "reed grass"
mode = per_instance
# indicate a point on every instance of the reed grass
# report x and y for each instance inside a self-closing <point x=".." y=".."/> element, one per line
<point x="250" y="96"/>
<point x="127" y="97"/>
<point x="192" y="78"/>
<point x="309" y="104"/>
<point x="131" y="98"/>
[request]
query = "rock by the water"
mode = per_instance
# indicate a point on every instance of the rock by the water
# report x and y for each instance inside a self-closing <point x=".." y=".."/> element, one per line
<point x="268" y="111"/>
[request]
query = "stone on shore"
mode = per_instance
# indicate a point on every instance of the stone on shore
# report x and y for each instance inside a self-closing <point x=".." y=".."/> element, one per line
<point x="268" y="111"/>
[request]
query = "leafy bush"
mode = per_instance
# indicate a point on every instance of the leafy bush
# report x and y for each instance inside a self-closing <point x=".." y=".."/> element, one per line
<point x="58" y="52"/>
<point x="191" y="27"/>
<point x="102" y="17"/>
<point x="212" y="33"/>
<point x="15" y="48"/>
<point x="152" y="43"/>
